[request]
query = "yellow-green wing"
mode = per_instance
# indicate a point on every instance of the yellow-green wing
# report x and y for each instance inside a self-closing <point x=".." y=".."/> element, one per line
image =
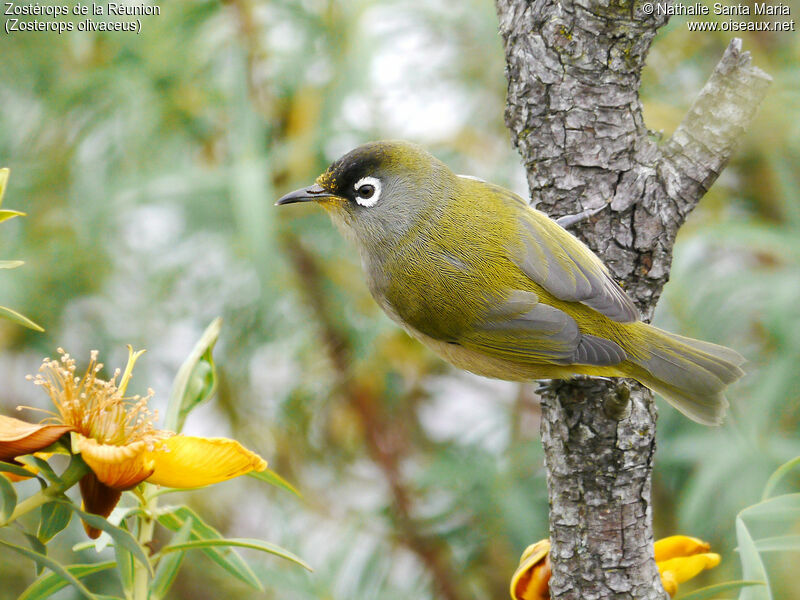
<point x="560" y="263"/>
<point x="522" y="329"/>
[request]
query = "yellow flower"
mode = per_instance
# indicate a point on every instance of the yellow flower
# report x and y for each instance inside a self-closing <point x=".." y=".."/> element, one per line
<point x="531" y="580"/>
<point x="116" y="437"/>
<point x="678" y="558"/>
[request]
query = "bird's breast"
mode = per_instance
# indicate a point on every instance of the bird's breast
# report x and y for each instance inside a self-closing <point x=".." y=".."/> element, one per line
<point x="430" y="288"/>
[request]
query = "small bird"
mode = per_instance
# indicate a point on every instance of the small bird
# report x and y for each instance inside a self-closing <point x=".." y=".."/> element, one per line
<point x="498" y="288"/>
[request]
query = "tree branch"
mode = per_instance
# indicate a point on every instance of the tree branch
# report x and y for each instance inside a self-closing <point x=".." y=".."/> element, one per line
<point x="573" y="69"/>
<point x="703" y="143"/>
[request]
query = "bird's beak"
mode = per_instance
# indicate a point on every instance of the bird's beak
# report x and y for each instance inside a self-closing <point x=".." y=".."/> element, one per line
<point x="307" y="194"/>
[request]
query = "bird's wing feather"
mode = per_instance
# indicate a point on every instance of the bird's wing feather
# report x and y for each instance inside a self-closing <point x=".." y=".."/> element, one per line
<point x="565" y="267"/>
<point x="522" y="329"/>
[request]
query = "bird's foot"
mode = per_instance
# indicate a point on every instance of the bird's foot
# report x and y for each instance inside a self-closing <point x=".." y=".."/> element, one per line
<point x="617" y="404"/>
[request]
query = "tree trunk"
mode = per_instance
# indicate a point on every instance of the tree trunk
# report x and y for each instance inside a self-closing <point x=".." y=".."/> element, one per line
<point x="573" y="69"/>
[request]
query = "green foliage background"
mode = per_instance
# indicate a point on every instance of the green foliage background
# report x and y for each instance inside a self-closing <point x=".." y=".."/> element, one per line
<point x="148" y="166"/>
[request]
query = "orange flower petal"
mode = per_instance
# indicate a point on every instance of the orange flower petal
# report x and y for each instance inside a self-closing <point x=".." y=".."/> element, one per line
<point x="532" y="578"/>
<point x="184" y="461"/>
<point x="98" y="499"/>
<point x="118" y="467"/>
<point x="679" y="545"/>
<point x="18" y="438"/>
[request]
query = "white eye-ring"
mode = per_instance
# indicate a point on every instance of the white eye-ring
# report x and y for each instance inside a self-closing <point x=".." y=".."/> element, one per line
<point x="368" y="190"/>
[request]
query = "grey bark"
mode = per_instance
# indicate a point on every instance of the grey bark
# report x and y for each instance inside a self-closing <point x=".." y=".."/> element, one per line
<point x="573" y="69"/>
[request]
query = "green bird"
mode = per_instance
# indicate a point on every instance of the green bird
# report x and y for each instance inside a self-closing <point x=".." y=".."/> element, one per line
<point x="498" y="288"/>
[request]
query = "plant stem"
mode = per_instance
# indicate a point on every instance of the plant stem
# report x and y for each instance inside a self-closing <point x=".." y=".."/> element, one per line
<point x="73" y="473"/>
<point x="146" y="525"/>
<point x="29" y="504"/>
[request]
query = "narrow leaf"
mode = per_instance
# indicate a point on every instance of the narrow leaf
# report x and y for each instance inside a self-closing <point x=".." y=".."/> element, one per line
<point x="116" y="518"/>
<point x="271" y="477"/>
<point x="36" y="544"/>
<point x="713" y="591"/>
<point x="241" y="543"/>
<point x="17" y="318"/>
<point x="15" y="469"/>
<point x="778" y="543"/>
<point x="8" y="499"/>
<point x="53" y="565"/>
<point x="120" y="536"/>
<point x="196" y="381"/>
<point x="778" y="475"/>
<point x="4" y="172"/>
<point x="81" y="546"/>
<point x="44" y="467"/>
<point x="226" y="558"/>
<point x="125" y="565"/>
<point x="55" y="517"/>
<point x="49" y="584"/>
<point x="752" y="566"/>
<point x="11" y="264"/>
<point x="37" y="547"/>
<point x="169" y="565"/>
<point x="777" y="508"/>
<point x="6" y="215"/>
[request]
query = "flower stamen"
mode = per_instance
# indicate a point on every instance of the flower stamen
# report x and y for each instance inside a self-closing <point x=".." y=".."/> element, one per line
<point x="97" y="408"/>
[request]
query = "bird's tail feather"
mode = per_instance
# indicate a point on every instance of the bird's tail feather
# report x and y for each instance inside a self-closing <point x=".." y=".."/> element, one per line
<point x="690" y="374"/>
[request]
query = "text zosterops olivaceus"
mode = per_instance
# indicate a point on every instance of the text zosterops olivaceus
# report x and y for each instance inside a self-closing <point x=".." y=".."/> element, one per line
<point x="500" y="289"/>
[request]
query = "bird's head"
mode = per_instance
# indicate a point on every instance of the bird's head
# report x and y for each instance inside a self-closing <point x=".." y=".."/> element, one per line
<point x="380" y="191"/>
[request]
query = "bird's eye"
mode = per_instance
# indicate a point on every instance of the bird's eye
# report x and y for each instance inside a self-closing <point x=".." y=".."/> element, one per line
<point x="367" y="191"/>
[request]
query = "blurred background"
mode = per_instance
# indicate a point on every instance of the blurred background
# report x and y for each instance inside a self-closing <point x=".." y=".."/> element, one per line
<point x="148" y="165"/>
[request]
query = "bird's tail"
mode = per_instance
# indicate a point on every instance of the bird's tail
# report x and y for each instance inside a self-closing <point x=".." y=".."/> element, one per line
<point x="690" y="374"/>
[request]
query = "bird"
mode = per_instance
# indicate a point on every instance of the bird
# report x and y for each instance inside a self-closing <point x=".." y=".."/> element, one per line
<point x="497" y="287"/>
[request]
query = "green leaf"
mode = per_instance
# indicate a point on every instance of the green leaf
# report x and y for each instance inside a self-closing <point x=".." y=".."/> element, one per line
<point x="8" y="499"/>
<point x="44" y="467"/>
<point x="19" y="319"/>
<point x="116" y="518"/>
<point x="752" y="565"/>
<point x="6" y="215"/>
<point x="271" y="477"/>
<point x="775" y="509"/>
<point x="4" y="172"/>
<point x="55" y="566"/>
<point x="174" y="518"/>
<point x="37" y="547"/>
<point x="169" y="565"/>
<point x="196" y="381"/>
<point x="778" y="475"/>
<point x="241" y="543"/>
<point x="125" y="566"/>
<point x="49" y="584"/>
<point x="120" y="536"/>
<point x="11" y="264"/>
<point x="778" y="543"/>
<point x="15" y="469"/>
<point x="713" y="591"/>
<point x="55" y="517"/>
